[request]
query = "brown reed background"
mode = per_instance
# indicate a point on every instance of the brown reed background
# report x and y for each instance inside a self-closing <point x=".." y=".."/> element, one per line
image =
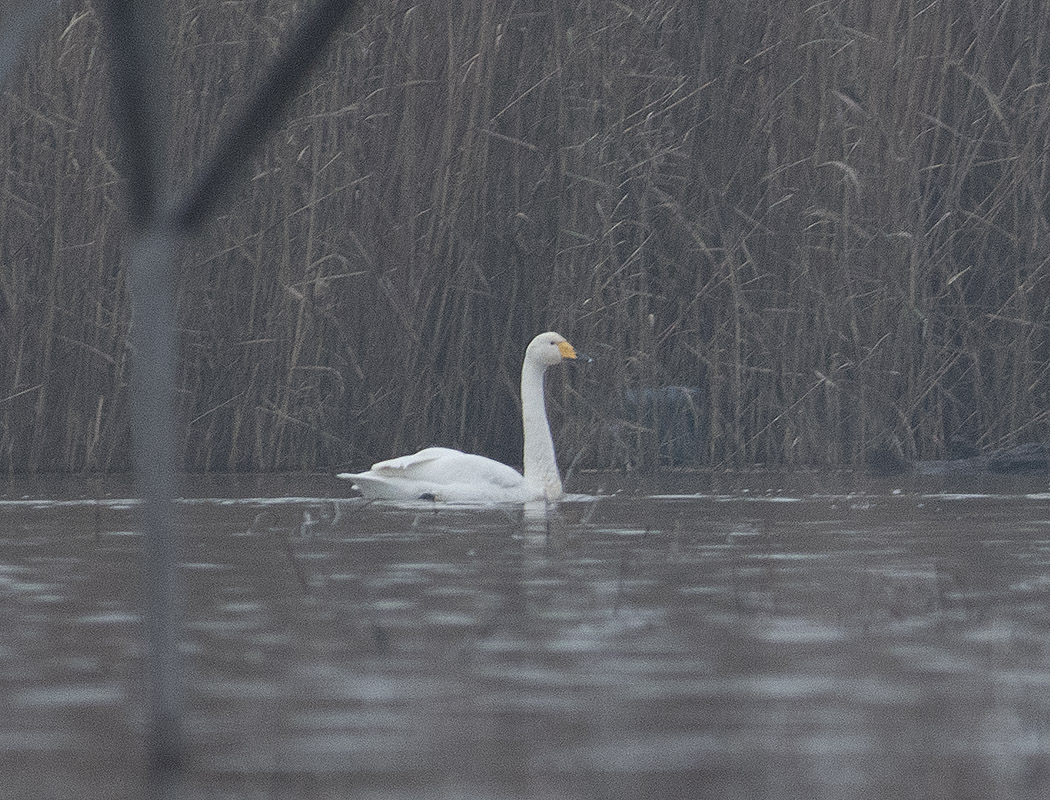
<point x="830" y="218"/>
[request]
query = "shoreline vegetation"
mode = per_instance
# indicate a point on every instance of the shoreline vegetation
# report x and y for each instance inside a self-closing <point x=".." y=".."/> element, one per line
<point x="819" y="224"/>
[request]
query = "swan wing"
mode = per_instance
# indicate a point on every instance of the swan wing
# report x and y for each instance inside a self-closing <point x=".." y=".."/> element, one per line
<point x="442" y="473"/>
<point x="414" y="464"/>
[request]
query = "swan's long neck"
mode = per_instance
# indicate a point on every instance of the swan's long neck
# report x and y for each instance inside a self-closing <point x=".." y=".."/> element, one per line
<point x="541" y="468"/>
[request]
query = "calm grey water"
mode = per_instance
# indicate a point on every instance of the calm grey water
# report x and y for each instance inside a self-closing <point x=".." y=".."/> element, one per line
<point x="749" y="638"/>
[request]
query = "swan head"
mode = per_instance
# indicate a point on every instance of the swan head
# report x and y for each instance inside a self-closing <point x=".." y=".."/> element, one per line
<point x="548" y="349"/>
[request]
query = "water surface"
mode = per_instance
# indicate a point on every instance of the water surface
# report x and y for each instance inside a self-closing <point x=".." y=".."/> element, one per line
<point x="744" y="637"/>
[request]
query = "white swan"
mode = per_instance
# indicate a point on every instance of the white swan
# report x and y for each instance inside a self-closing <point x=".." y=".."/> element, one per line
<point x="445" y="474"/>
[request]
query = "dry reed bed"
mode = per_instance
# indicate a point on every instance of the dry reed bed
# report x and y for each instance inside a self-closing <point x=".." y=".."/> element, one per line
<point x="829" y="218"/>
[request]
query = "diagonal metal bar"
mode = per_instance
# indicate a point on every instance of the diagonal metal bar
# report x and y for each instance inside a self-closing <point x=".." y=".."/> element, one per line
<point x="263" y="111"/>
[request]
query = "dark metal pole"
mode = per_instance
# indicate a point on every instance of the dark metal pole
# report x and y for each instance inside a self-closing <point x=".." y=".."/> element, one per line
<point x="150" y="269"/>
<point x="141" y="100"/>
<point x="141" y="106"/>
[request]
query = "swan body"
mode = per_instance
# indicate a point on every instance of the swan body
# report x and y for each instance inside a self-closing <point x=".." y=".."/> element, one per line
<point x="442" y="473"/>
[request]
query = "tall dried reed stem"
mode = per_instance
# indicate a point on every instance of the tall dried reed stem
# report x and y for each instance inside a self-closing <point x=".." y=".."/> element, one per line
<point x="828" y="219"/>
